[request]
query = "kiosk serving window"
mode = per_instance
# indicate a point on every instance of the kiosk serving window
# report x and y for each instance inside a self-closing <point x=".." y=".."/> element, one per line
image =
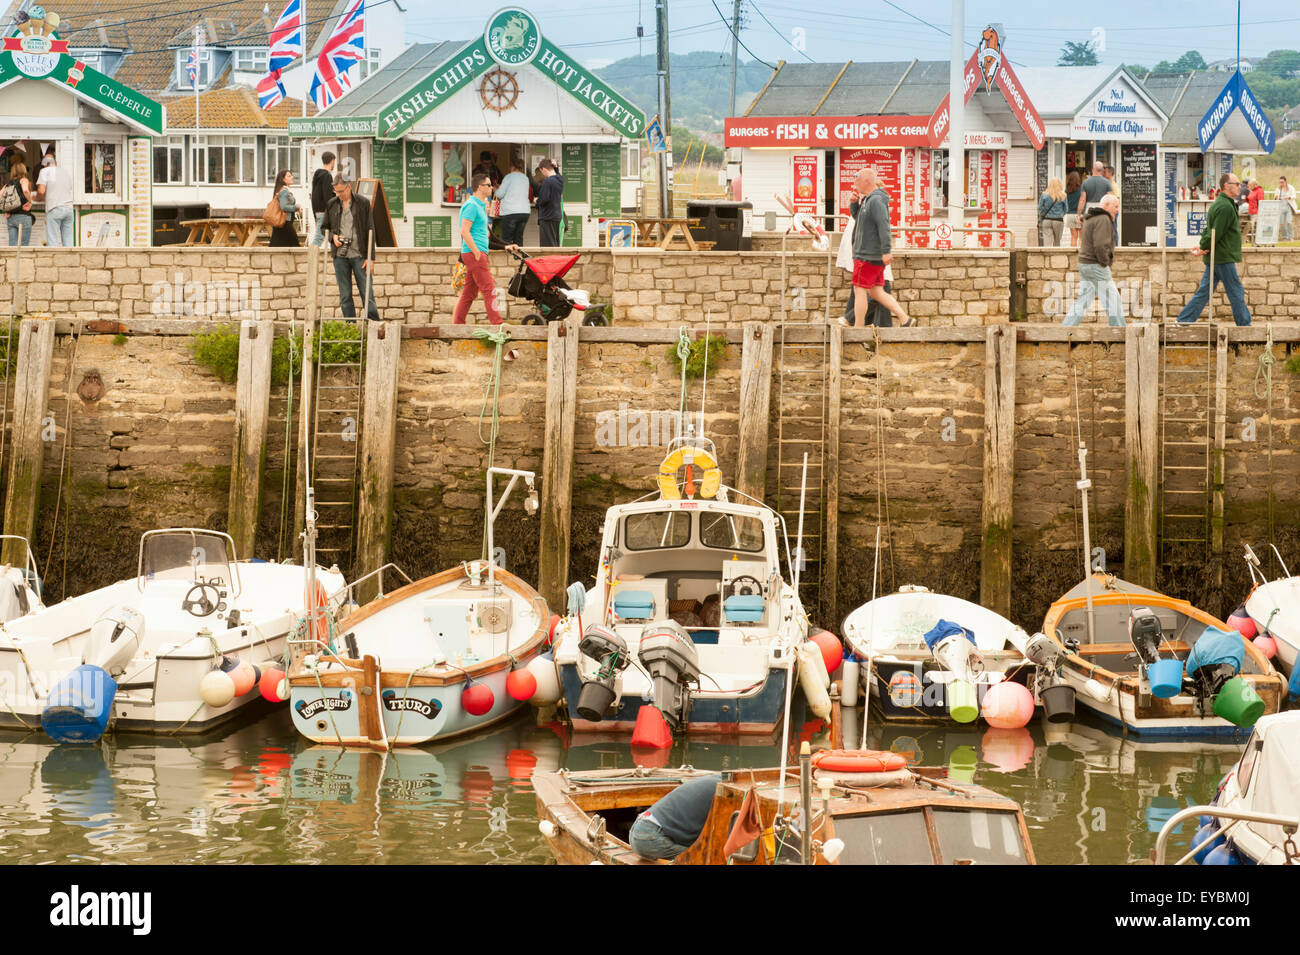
<point x="101" y="168"/>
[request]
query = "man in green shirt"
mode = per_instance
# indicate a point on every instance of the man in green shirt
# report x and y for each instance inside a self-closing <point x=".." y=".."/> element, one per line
<point x="1222" y="220"/>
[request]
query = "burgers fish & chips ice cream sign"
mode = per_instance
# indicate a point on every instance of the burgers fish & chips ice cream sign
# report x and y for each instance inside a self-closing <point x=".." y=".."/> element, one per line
<point x="34" y="51"/>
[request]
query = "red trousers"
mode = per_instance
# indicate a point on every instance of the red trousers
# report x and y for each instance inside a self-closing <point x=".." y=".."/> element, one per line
<point x="478" y="280"/>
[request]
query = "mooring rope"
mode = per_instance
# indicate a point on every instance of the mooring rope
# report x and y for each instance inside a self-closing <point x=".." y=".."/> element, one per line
<point x="491" y="391"/>
<point x="683" y="355"/>
<point x="1264" y="373"/>
<point x="63" y="465"/>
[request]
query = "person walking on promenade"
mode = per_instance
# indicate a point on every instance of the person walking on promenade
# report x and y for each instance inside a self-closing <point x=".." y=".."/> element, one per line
<point x="351" y="228"/>
<point x="844" y="260"/>
<point x="1286" y="193"/>
<point x="54" y="186"/>
<point x="18" y="190"/>
<point x="550" y="203"/>
<point x="474" y="251"/>
<point x="285" y="235"/>
<point x="1220" y="220"/>
<point x="1095" y="257"/>
<point x="1073" y="221"/>
<point x="513" y="196"/>
<point x="871" y="250"/>
<point x="322" y="191"/>
<point x="1051" y="213"/>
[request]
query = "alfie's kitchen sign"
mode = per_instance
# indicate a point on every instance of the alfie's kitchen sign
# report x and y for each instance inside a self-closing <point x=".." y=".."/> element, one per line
<point x="1117" y="112"/>
<point x="511" y="39"/>
<point x="34" y="51"/>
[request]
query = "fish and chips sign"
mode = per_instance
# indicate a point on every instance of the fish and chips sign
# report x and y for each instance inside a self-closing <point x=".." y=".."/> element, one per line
<point x="511" y="39"/>
<point x="35" y="52"/>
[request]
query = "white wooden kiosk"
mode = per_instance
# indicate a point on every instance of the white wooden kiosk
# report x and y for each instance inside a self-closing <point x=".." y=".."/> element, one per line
<point x="98" y="129"/>
<point x="420" y="125"/>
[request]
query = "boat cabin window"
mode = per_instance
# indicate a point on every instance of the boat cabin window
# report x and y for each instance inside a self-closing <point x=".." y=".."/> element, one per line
<point x="731" y="531"/>
<point x="1249" y="757"/>
<point x="884" y="838"/>
<point x="656" y="530"/>
<point x="984" y="838"/>
<point x="186" y="556"/>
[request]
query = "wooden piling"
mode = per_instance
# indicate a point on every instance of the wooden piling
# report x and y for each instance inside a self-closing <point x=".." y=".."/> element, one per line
<point x="378" y="448"/>
<point x="830" y="584"/>
<point x="1217" y="485"/>
<point x="999" y="467"/>
<point x="1141" y="442"/>
<point x="252" y="412"/>
<point x="314" y="269"/>
<point x="557" y="462"/>
<point x="35" y="360"/>
<point x="755" y="408"/>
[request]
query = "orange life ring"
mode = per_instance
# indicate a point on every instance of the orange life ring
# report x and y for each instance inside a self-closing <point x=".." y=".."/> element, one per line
<point x="321" y="625"/>
<point x="858" y="761"/>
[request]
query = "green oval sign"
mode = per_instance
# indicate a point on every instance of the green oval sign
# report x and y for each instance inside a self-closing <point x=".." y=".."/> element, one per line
<point x="512" y="36"/>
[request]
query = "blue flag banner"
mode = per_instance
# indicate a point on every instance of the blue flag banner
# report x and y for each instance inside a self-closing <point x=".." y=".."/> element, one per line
<point x="1236" y="95"/>
<point x="654" y="134"/>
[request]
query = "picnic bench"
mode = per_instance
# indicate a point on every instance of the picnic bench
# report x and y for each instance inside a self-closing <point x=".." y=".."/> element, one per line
<point x="660" y="231"/>
<point x="228" y="232"/>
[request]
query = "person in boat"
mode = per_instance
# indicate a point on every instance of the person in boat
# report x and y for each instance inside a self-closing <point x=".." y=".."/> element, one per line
<point x="671" y="826"/>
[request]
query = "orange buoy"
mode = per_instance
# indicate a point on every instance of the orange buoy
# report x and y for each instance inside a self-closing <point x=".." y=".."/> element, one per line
<point x="651" y="729"/>
<point x="858" y="761"/>
<point x="477" y="698"/>
<point x="521" y="685"/>
<point x="243" y="677"/>
<point x="829" y="645"/>
<point x="269" y="685"/>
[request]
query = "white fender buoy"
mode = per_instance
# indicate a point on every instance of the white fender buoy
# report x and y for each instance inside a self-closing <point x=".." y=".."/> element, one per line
<point x="548" y="682"/>
<point x="814" y="679"/>
<point x="216" y="688"/>
<point x="547" y="828"/>
<point x="849" y="682"/>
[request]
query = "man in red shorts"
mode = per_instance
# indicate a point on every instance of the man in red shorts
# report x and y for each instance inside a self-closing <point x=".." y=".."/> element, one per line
<point x="871" y="245"/>
<point x="474" y="252"/>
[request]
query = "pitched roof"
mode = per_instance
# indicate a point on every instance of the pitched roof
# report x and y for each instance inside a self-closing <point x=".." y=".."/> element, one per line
<point x="392" y="81"/>
<point x="231" y="108"/>
<point x="151" y="35"/>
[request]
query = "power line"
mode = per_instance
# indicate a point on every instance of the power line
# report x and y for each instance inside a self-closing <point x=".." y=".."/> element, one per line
<point x="779" y="33"/>
<point x="738" y="39"/>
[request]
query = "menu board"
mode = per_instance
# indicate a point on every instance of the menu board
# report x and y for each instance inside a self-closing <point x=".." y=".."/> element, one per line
<point x="139" y="160"/>
<point x="886" y="161"/>
<point x="386" y="164"/>
<point x="102" y="228"/>
<point x="1040" y="171"/>
<point x="804" y="182"/>
<point x="606" y="180"/>
<point x="1268" y="224"/>
<point x="433" y="232"/>
<point x="572" y="235"/>
<point x="101" y="169"/>
<point x="573" y="166"/>
<point x="1170" y="181"/>
<point x="1139" y="210"/>
<point x="419" y="171"/>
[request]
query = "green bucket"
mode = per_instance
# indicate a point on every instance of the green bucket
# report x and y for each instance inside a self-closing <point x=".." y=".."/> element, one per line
<point x="963" y="704"/>
<point x="1238" y="703"/>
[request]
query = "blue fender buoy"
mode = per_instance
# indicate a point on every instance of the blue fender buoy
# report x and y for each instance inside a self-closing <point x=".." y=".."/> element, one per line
<point x="1204" y="841"/>
<point x="1222" y="855"/>
<point x="79" y="706"/>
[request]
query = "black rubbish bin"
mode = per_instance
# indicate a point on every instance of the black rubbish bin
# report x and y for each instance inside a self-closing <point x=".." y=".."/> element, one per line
<point x="724" y="222"/>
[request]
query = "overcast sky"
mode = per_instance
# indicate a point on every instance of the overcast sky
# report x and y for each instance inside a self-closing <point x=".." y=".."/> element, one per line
<point x="835" y="30"/>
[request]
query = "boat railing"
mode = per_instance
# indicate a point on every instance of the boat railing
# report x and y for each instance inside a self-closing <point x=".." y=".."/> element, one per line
<point x="1257" y="575"/>
<point x="345" y="596"/>
<point x="1289" y="824"/>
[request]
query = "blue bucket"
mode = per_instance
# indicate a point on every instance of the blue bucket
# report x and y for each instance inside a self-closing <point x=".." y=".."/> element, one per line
<point x="1166" y="678"/>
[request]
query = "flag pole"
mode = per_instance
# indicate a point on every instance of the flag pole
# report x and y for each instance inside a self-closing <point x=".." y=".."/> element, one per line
<point x="306" y="79"/>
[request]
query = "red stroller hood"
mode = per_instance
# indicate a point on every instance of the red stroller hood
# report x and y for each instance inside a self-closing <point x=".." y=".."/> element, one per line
<point x="547" y="267"/>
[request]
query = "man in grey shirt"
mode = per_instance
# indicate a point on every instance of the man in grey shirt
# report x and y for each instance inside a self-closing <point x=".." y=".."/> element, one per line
<point x="55" y="186"/>
<point x="1093" y="188"/>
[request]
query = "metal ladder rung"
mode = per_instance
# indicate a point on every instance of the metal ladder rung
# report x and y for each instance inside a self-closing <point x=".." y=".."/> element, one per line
<point x="336" y="457"/>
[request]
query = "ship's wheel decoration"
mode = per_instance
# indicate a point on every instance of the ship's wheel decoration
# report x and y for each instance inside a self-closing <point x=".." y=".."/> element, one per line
<point x="499" y="90"/>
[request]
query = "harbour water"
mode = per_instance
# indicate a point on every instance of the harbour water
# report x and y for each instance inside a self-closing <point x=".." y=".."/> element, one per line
<point x="257" y="793"/>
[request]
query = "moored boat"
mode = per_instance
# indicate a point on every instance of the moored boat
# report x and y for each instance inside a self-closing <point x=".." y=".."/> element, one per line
<point x="20" y="584"/>
<point x="1273" y="609"/>
<point x="1157" y="665"/>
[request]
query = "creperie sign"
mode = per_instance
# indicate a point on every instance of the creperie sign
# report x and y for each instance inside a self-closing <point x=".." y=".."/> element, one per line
<point x="799" y="132"/>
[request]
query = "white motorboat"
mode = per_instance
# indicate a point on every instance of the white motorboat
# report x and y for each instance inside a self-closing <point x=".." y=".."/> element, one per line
<point x="1274" y="606"/>
<point x="20" y="586"/>
<point x="915" y="660"/>
<point x="135" y="653"/>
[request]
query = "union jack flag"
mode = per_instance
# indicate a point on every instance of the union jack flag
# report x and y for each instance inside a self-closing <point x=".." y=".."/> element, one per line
<point x="192" y="67"/>
<point x="286" y="37"/>
<point x="270" y="90"/>
<point x="345" y="48"/>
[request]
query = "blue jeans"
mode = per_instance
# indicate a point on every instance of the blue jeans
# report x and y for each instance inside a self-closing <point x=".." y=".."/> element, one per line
<point x="345" y="270"/>
<point x="319" y="237"/>
<point x="20" y="229"/>
<point x="649" y="842"/>
<point x="1095" y="282"/>
<point x="1227" y="274"/>
<point x="58" y="227"/>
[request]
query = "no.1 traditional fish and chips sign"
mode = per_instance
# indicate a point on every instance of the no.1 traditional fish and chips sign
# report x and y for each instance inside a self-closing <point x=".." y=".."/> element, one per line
<point x="34" y="51"/>
<point x="1236" y="96"/>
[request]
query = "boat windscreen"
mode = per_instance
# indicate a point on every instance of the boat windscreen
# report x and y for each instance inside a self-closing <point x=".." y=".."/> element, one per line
<point x="656" y="530"/>
<point x="731" y="531"/>
<point x="979" y="836"/>
<point x="885" y="838"/>
<point x="184" y="555"/>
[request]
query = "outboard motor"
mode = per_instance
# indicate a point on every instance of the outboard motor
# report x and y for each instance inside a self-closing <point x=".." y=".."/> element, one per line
<point x="1044" y="652"/>
<point x="1144" y="634"/>
<point x="13" y="594"/>
<point x="1057" y="695"/>
<point x="609" y="650"/>
<point x="115" y="639"/>
<point x="80" y="704"/>
<point x="953" y="648"/>
<point x="669" y="654"/>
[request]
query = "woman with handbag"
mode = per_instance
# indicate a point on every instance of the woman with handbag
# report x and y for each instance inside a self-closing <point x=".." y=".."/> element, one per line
<point x="20" y="218"/>
<point x="280" y="212"/>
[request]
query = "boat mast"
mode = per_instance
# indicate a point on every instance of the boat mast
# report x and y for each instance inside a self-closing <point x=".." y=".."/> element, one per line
<point x="1083" y="484"/>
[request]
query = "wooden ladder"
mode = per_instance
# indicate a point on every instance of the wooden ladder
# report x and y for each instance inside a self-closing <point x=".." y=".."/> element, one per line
<point x="336" y="435"/>
<point x="1187" y="408"/>
<point x="802" y="372"/>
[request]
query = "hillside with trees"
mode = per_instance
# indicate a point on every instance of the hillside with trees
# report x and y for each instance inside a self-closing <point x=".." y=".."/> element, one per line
<point x="700" y="85"/>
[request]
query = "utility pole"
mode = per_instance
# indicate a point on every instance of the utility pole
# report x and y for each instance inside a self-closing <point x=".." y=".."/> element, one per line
<point x="665" y="112"/>
<point x="957" y="124"/>
<point x="735" y="38"/>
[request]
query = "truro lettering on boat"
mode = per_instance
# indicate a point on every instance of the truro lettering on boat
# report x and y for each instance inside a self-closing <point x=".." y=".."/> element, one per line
<point x="411" y="704"/>
<point x="74" y="908"/>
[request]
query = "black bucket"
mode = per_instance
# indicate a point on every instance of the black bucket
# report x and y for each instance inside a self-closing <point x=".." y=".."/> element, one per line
<point x="594" y="700"/>
<point x="1058" y="703"/>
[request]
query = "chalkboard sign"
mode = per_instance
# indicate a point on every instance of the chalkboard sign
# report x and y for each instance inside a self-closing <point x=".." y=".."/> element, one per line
<point x="573" y="166"/>
<point x="386" y="162"/>
<point x="1040" y="170"/>
<point x="1139" y="211"/>
<point x="419" y="171"/>
<point x="1268" y="224"/>
<point x="1170" y="182"/>
<point x="433" y="232"/>
<point x="606" y="180"/>
<point x="572" y="236"/>
<point x="373" y="191"/>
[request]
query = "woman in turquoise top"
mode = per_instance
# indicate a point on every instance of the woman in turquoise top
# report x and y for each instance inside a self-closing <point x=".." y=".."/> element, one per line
<point x="285" y="236"/>
<point x="513" y="196"/>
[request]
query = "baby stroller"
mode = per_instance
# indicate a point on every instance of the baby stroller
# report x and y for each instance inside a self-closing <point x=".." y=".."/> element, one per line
<point x="540" y="281"/>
